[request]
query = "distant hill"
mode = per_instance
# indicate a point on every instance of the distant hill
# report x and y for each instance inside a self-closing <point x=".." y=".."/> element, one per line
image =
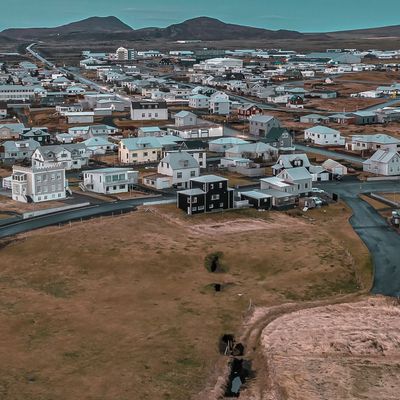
<point x="205" y="28"/>
<point x="109" y="28"/>
<point x="90" y="25"/>
<point x="387" y="31"/>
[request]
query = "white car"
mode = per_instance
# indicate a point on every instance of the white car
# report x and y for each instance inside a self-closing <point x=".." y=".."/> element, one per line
<point x="317" y="190"/>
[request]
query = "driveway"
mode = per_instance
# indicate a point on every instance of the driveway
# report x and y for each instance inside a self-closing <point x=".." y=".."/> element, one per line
<point x="382" y="241"/>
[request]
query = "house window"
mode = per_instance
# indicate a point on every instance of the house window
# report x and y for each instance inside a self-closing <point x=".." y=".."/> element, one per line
<point x="192" y="174"/>
<point x="215" y="197"/>
<point x="220" y="185"/>
<point x="200" y="208"/>
<point x="179" y="175"/>
<point x="221" y="205"/>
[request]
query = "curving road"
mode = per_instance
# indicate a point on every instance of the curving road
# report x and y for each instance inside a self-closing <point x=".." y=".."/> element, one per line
<point x="382" y="241"/>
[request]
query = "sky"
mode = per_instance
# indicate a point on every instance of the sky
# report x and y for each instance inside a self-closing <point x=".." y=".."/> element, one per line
<point x="300" y="15"/>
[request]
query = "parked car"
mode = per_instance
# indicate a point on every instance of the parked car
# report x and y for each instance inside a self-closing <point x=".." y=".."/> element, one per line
<point x="317" y="190"/>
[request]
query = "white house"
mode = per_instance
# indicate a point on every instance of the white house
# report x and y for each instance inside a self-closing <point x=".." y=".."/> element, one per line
<point x="185" y="118"/>
<point x="199" y="101"/>
<point x="109" y="180"/>
<point x="324" y="136"/>
<point x="83" y="117"/>
<point x="147" y="110"/>
<point x="220" y="104"/>
<point x="261" y="125"/>
<point x="99" y="145"/>
<point x="383" y="162"/>
<point x="197" y="131"/>
<point x="69" y="156"/>
<point x="375" y="142"/>
<point x="224" y="143"/>
<point x="38" y="184"/>
<point x="180" y="167"/>
<point x="334" y="167"/>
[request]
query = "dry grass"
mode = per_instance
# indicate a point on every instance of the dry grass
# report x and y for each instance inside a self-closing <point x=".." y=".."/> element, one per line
<point x="122" y="308"/>
<point x="346" y="351"/>
<point x="7" y="204"/>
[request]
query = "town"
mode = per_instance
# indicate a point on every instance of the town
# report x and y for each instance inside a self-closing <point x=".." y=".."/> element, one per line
<point x="245" y="129"/>
<point x="187" y="214"/>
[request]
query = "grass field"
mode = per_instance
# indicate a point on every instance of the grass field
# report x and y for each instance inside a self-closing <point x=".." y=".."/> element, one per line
<point x="124" y="308"/>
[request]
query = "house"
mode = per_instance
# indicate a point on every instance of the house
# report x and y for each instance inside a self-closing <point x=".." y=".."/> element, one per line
<point x="180" y="167"/>
<point x="41" y="135"/>
<point x="324" y="136"/>
<point x="313" y="119"/>
<point x="286" y="161"/>
<point x="3" y="111"/>
<point x="185" y="118"/>
<point x="323" y="94"/>
<point x="67" y="108"/>
<point x="334" y="167"/>
<point x="100" y="130"/>
<point x="319" y="173"/>
<point x="11" y="131"/>
<point x="207" y="193"/>
<point x="224" y="143"/>
<point x="80" y="117"/>
<point x="220" y="104"/>
<point x="147" y="110"/>
<point x="364" y="117"/>
<point x="64" y="138"/>
<point x="373" y="142"/>
<point x="342" y="119"/>
<point x="12" y="151"/>
<point x="197" y="131"/>
<point x="279" y="138"/>
<point x="146" y="149"/>
<point x="151" y="131"/>
<point x="297" y="181"/>
<point x="99" y="145"/>
<point x="383" y="162"/>
<point x="75" y="90"/>
<point x="261" y="200"/>
<point x="246" y="111"/>
<point x="260" y="125"/>
<point x="199" y="101"/>
<point x="109" y="180"/>
<point x="37" y="184"/>
<point x="254" y="151"/>
<point x="295" y="101"/>
<point x="21" y="92"/>
<point x="69" y="156"/>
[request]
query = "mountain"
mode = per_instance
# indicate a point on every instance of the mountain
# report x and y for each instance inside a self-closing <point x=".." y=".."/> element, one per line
<point x="205" y="28"/>
<point x="97" y="25"/>
<point x="109" y="28"/>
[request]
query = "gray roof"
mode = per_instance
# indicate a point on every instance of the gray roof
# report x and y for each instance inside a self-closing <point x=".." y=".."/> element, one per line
<point x="297" y="173"/>
<point x="180" y="160"/>
<point x="12" y="146"/>
<point x="262" y="118"/>
<point x="209" y="178"/>
<point x="192" y="192"/>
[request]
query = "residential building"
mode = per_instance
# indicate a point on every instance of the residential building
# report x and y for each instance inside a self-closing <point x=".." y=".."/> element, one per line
<point x="334" y="167"/>
<point x="99" y="145"/>
<point x="180" y="167"/>
<point x="324" y="136"/>
<point x="383" y="162"/>
<point x="261" y="125"/>
<point x="69" y="156"/>
<point x="280" y="138"/>
<point x="13" y="151"/>
<point x="21" y="92"/>
<point x="287" y="161"/>
<point x="82" y="117"/>
<point x="374" y="142"/>
<point x="41" y="135"/>
<point x="313" y="119"/>
<point x="151" y="131"/>
<point x="207" y="193"/>
<point x="246" y="111"/>
<point x="197" y="131"/>
<point x="224" y="143"/>
<point x="254" y="151"/>
<point x="37" y="184"/>
<point x="199" y="101"/>
<point x="294" y="180"/>
<point x="185" y="118"/>
<point x="110" y="180"/>
<point x="11" y="131"/>
<point x="147" y="110"/>
<point x="220" y="104"/>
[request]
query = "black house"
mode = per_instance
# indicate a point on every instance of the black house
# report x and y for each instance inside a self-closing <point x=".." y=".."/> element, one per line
<point x="206" y="194"/>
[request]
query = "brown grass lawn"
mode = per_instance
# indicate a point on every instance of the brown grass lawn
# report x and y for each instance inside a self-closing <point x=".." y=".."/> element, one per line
<point x="122" y="308"/>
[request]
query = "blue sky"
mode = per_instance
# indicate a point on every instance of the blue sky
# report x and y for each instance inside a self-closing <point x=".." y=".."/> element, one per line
<point x="302" y="15"/>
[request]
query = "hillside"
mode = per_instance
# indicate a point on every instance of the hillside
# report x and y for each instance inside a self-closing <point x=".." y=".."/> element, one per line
<point x="95" y="25"/>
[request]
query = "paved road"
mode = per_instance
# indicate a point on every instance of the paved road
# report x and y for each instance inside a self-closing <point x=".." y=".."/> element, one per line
<point x="328" y="153"/>
<point x="382" y="241"/>
<point x="389" y="103"/>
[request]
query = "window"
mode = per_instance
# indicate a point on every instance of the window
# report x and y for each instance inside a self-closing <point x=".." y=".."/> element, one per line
<point x="134" y="155"/>
<point x="221" y="205"/>
<point x="215" y="197"/>
<point x="179" y="175"/>
<point x="220" y="185"/>
<point x="194" y="199"/>
<point x="145" y="154"/>
<point x="192" y="174"/>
